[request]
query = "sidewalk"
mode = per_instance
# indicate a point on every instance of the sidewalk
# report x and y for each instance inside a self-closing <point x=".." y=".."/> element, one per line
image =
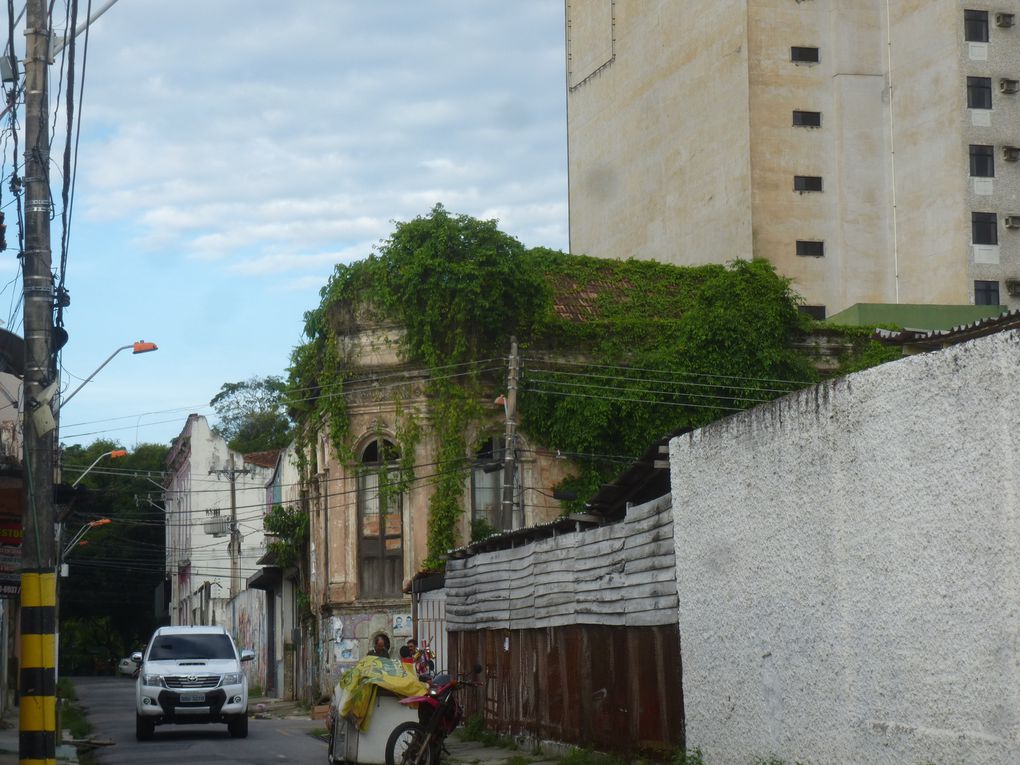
<point x="461" y="752"/>
<point x="9" y="741"/>
<point x="465" y="752"/>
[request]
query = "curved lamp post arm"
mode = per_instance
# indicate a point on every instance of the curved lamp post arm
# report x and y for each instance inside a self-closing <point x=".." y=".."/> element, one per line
<point x="81" y="533"/>
<point x="112" y="455"/>
<point x="140" y="347"/>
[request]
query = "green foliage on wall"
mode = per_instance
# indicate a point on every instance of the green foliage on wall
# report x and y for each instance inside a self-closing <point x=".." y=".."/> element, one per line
<point x="456" y="286"/>
<point x="649" y="348"/>
<point x="290" y="527"/>
<point x="670" y="348"/>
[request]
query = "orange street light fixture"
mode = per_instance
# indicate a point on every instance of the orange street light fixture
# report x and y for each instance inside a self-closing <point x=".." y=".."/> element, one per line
<point x="82" y="532"/>
<point x="138" y="347"/>
<point x="111" y="454"/>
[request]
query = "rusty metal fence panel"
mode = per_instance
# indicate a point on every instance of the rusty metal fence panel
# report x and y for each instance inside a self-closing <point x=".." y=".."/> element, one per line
<point x="610" y="688"/>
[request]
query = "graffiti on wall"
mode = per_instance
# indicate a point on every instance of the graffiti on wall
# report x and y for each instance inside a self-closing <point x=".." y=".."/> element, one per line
<point x="248" y="626"/>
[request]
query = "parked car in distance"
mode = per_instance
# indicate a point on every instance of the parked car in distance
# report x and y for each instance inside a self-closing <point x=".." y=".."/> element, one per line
<point x="191" y="675"/>
<point x="126" y="666"/>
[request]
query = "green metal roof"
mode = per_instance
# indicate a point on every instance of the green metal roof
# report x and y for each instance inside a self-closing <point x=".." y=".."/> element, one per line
<point x="913" y="316"/>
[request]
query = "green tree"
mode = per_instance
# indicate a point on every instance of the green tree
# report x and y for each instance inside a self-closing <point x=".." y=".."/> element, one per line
<point x="253" y="415"/>
<point x="115" y="571"/>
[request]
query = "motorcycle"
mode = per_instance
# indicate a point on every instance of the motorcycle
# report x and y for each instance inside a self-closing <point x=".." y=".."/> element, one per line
<point x="439" y="714"/>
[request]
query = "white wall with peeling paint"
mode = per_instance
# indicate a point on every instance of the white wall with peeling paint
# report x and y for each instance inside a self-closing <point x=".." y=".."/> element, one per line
<point x="848" y="562"/>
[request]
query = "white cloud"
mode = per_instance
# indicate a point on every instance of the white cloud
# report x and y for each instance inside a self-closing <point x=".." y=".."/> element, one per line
<point x="233" y="152"/>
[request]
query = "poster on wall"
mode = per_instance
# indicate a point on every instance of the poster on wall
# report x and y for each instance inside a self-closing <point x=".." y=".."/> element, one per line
<point x="10" y="559"/>
<point x="402" y="625"/>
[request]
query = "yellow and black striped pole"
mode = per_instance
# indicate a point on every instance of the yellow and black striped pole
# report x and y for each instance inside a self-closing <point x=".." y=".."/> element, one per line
<point x="37" y="680"/>
<point x="37" y="676"/>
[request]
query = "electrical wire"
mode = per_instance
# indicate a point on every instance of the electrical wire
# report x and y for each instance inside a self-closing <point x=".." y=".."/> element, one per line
<point x="327" y="392"/>
<point x="552" y="367"/>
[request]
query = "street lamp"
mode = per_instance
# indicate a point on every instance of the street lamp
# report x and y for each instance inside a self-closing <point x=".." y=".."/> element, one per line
<point x="38" y="407"/>
<point x="81" y="533"/>
<point x="140" y="347"/>
<point x="111" y="454"/>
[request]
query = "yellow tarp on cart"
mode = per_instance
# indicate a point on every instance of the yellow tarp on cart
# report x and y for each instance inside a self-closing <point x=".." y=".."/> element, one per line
<point x="362" y="681"/>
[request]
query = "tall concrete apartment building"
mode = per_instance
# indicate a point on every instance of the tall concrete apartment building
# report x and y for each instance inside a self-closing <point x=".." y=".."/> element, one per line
<point x="870" y="149"/>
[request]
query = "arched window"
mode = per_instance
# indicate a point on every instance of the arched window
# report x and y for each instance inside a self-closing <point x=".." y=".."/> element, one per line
<point x="380" y="520"/>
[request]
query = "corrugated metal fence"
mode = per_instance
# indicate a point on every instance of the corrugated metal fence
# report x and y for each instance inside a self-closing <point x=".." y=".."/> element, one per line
<point x="577" y="634"/>
<point x="432" y="625"/>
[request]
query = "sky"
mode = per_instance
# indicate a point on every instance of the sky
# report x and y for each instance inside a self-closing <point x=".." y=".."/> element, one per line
<point x="232" y="152"/>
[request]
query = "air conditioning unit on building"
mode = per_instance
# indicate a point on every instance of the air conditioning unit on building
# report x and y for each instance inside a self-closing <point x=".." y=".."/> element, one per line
<point x="219" y="527"/>
<point x="1004" y="19"/>
<point x="1011" y="221"/>
<point x="1011" y="153"/>
<point x="1007" y="85"/>
<point x="1013" y="287"/>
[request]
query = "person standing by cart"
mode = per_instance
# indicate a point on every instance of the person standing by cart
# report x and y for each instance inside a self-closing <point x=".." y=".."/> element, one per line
<point x="380" y="646"/>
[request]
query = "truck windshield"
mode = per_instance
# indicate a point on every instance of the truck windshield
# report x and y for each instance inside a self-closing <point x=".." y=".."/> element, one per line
<point x="191" y="647"/>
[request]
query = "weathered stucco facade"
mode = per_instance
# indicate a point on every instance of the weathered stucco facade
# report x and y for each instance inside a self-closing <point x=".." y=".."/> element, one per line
<point x="351" y="599"/>
<point x="848" y="565"/>
<point x="683" y="145"/>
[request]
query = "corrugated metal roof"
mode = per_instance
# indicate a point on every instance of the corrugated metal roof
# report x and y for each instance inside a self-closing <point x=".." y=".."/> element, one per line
<point x="266" y="459"/>
<point x="927" y="340"/>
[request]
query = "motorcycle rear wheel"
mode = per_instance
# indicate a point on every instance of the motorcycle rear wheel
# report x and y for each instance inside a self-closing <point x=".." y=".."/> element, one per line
<point x="410" y="744"/>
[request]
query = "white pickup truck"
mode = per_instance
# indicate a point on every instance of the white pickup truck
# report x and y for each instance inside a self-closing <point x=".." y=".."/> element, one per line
<point x="191" y="675"/>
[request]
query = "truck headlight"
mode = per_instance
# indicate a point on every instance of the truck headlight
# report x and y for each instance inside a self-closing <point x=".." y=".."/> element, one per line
<point x="156" y="680"/>
<point x="232" y="678"/>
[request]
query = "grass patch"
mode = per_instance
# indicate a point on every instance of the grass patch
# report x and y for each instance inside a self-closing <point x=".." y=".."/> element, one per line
<point x="692" y="757"/>
<point x="72" y="716"/>
<point x="474" y="730"/>
<point x="73" y="719"/>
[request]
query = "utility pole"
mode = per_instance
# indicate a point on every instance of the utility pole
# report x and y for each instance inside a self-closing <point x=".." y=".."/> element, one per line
<point x="511" y="511"/>
<point x="234" y="546"/>
<point x="37" y="679"/>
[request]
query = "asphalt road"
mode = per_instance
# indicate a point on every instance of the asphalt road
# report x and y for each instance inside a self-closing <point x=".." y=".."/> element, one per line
<point x="109" y="703"/>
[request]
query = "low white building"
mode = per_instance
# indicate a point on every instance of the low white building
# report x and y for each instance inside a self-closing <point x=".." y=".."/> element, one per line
<point x="215" y="503"/>
<point x="848" y="566"/>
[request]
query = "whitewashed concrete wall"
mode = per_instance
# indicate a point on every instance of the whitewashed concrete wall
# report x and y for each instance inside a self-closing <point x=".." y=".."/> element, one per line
<point x="198" y="561"/>
<point x="848" y="564"/>
<point x="248" y="625"/>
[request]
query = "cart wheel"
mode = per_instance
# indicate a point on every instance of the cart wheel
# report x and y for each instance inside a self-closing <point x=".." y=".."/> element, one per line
<point x="409" y="744"/>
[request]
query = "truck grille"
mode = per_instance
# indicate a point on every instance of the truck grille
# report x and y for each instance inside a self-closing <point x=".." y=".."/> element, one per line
<point x="192" y="681"/>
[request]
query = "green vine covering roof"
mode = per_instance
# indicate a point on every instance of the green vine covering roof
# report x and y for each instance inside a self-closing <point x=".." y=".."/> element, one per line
<point x="616" y="353"/>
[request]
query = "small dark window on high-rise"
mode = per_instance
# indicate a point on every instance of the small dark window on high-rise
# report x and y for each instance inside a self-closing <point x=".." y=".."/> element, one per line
<point x="816" y="312"/>
<point x="986" y="293"/>
<point x="804" y="55"/>
<point x="984" y="228"/>
<point x="975" y="26"/>
<point x="807" y="248"/>
<point x="979" y="92"/>
<point x="807" y="183"/>
<point x="982" y="161"/>
<point x="806" y="119"/>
